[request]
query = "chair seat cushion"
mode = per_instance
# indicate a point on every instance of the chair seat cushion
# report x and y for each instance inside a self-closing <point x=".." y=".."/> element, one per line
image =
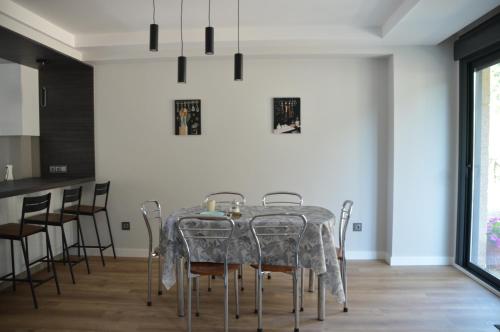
<point x="84" y="209"/>
<point x="211" y="269"/>
<point x="11" y="230"/>
<point x="274" y="268"/>
<point x="53" y="219"/>
<point x="339" y="254"/>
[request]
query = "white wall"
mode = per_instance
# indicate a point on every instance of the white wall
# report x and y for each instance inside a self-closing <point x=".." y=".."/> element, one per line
<point x="341" y="153"/>
<point x="424" y="158"/>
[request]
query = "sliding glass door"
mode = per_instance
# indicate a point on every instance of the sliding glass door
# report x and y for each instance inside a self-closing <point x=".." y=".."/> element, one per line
<point x="484" y="232"/>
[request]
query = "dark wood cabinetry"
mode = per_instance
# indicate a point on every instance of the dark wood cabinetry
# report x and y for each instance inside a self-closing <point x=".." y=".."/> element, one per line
<point x="67" y="112"/>
<point x="67" y="120"/>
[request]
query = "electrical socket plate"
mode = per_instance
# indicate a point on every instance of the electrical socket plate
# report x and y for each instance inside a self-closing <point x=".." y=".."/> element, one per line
<point x="357" y="227"/>
<point x="125" y="225"/>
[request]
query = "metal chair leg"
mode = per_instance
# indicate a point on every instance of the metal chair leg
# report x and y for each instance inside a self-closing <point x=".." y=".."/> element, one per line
<point x="110" y="234"/>
<point x="80" y="234"/>
<point x="301" y="289"/>
<point x="190" y="293"/>
<point x="311" y="281"/>
<point x="226" y="303"/>
<point x="160" y="270"/>
<point x="150" y="267"/>
<point x="98" y="240"/>
<point x="259" y="300"/>
<point x="28" y="272"/>
<point x="209" y="283"/>
<point x="66" y="253"/>
<point x="256" y="291"/>
<point x="237" y="294"/>
<point x="13" y="262"/>
<point x="344" y="284"/>
<point x="197" y="286"/>
<point x="51" y="258"/>
<point x="240" y="276"/>
<point x="296" y="299"/>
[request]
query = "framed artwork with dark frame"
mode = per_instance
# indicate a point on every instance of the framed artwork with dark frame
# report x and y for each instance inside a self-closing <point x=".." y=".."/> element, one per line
<point x="187" y="114"/>
<point x="286" y="113"/>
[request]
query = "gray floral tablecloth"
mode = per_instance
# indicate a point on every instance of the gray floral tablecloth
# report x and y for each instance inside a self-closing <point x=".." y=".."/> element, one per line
<point x="317" y="250"/>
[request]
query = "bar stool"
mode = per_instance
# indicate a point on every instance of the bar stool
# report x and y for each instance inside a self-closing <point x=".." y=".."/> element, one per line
<point x="20" y="232"/>
<point x="59" y="220"/>
<point x="101" y="189"/>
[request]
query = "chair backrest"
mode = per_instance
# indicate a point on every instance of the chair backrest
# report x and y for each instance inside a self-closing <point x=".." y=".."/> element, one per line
<point x="35" y="204"/>
<point x="151" y="212"/>
<point x="345" y="216"/>
<point x="282" y="198"/>
<point x="100" y="190"/>
<point x="198" y="228"/>
<point x="226" y="198"/>
<point x="289" y="226"/>
<point x="71" y="196"/>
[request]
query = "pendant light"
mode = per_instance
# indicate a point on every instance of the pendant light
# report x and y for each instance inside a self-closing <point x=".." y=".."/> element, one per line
<point x="181" y="61"/>
<point x="209" y="35"/>
<point x="153" y="32"/>
<point x="238" y="57"/>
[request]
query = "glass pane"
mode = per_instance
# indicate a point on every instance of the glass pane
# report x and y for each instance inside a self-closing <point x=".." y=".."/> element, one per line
<point x="485" y="232"/>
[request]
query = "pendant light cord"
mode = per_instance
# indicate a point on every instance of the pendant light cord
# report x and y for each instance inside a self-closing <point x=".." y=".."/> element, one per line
<point x="209" y="6"/>
<point x="238" y="26"/>
<point x="182" y="38"/>
<point x="154" y="12"/>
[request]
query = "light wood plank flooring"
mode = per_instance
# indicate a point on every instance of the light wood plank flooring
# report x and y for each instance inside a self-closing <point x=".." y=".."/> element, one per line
<point x="382" y="298"/>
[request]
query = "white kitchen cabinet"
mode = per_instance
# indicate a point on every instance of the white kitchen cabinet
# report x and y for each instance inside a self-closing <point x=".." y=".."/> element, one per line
<point x="19" y="111"/>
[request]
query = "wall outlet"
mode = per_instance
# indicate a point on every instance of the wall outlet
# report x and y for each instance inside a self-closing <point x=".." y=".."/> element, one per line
<point x="125" y="225"/>
<point x="357" y="227"/>
<point x="58" y="169"/>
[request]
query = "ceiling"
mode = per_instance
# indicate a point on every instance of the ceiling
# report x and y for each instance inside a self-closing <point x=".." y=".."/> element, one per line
<point x="118" y="29"/>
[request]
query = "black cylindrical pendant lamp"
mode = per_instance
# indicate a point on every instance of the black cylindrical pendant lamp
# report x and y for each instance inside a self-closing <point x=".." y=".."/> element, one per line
<point x="209" y="40"/>
<point x="238" y="67"/>
<point x="153" y="37"/>
<point x="181" y="69"/>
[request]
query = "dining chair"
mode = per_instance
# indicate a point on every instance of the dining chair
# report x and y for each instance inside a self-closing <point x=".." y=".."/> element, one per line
<point x="224" y="201"/>
<point x="21" y="232"/>
<point x="345" y="216"/>
<point x="59" y="220"/>
<point x="195" y="230"/>
<point x="282" y="198"/>
<point x="100" y="189"/>
<point x="151" y="212"/>
<point x="265" y="229"/>
<point x="286" y="198"/>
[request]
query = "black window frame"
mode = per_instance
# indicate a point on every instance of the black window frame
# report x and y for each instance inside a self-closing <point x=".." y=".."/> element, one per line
<point x="475" y="50"/>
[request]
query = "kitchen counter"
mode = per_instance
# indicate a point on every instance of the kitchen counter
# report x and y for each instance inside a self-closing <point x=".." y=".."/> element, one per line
<point x="31" y="185"/>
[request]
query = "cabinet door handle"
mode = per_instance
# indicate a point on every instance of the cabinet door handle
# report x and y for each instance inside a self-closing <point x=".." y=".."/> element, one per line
<point x="43" y="97"/>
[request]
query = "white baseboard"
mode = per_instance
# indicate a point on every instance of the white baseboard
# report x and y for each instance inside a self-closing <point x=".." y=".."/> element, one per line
<point x="364" y="255"/>
<point x="419" y="260"/>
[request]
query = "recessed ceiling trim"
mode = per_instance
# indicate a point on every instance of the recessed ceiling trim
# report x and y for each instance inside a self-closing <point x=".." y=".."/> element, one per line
<point x="38" y="23"/>
<point x="397" y="16"/>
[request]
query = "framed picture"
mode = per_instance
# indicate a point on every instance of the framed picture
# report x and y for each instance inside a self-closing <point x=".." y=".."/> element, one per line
<point x="286" y="113"/>
<point x="187" y="117"/>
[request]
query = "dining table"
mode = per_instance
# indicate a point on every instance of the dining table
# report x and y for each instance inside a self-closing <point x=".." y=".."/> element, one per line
<point x="317" y="250"/>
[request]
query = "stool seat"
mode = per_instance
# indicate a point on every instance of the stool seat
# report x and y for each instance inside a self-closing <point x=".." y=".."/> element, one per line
<point x="212" y="269"/>
<point x="274" y="268"/>
<point x="11" y="231"/>
<point x="86" y="210"/>
<point x="54" y="219"/>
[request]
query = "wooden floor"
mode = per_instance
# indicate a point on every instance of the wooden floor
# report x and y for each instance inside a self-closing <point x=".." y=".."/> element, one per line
<point x="382" y="298"/>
